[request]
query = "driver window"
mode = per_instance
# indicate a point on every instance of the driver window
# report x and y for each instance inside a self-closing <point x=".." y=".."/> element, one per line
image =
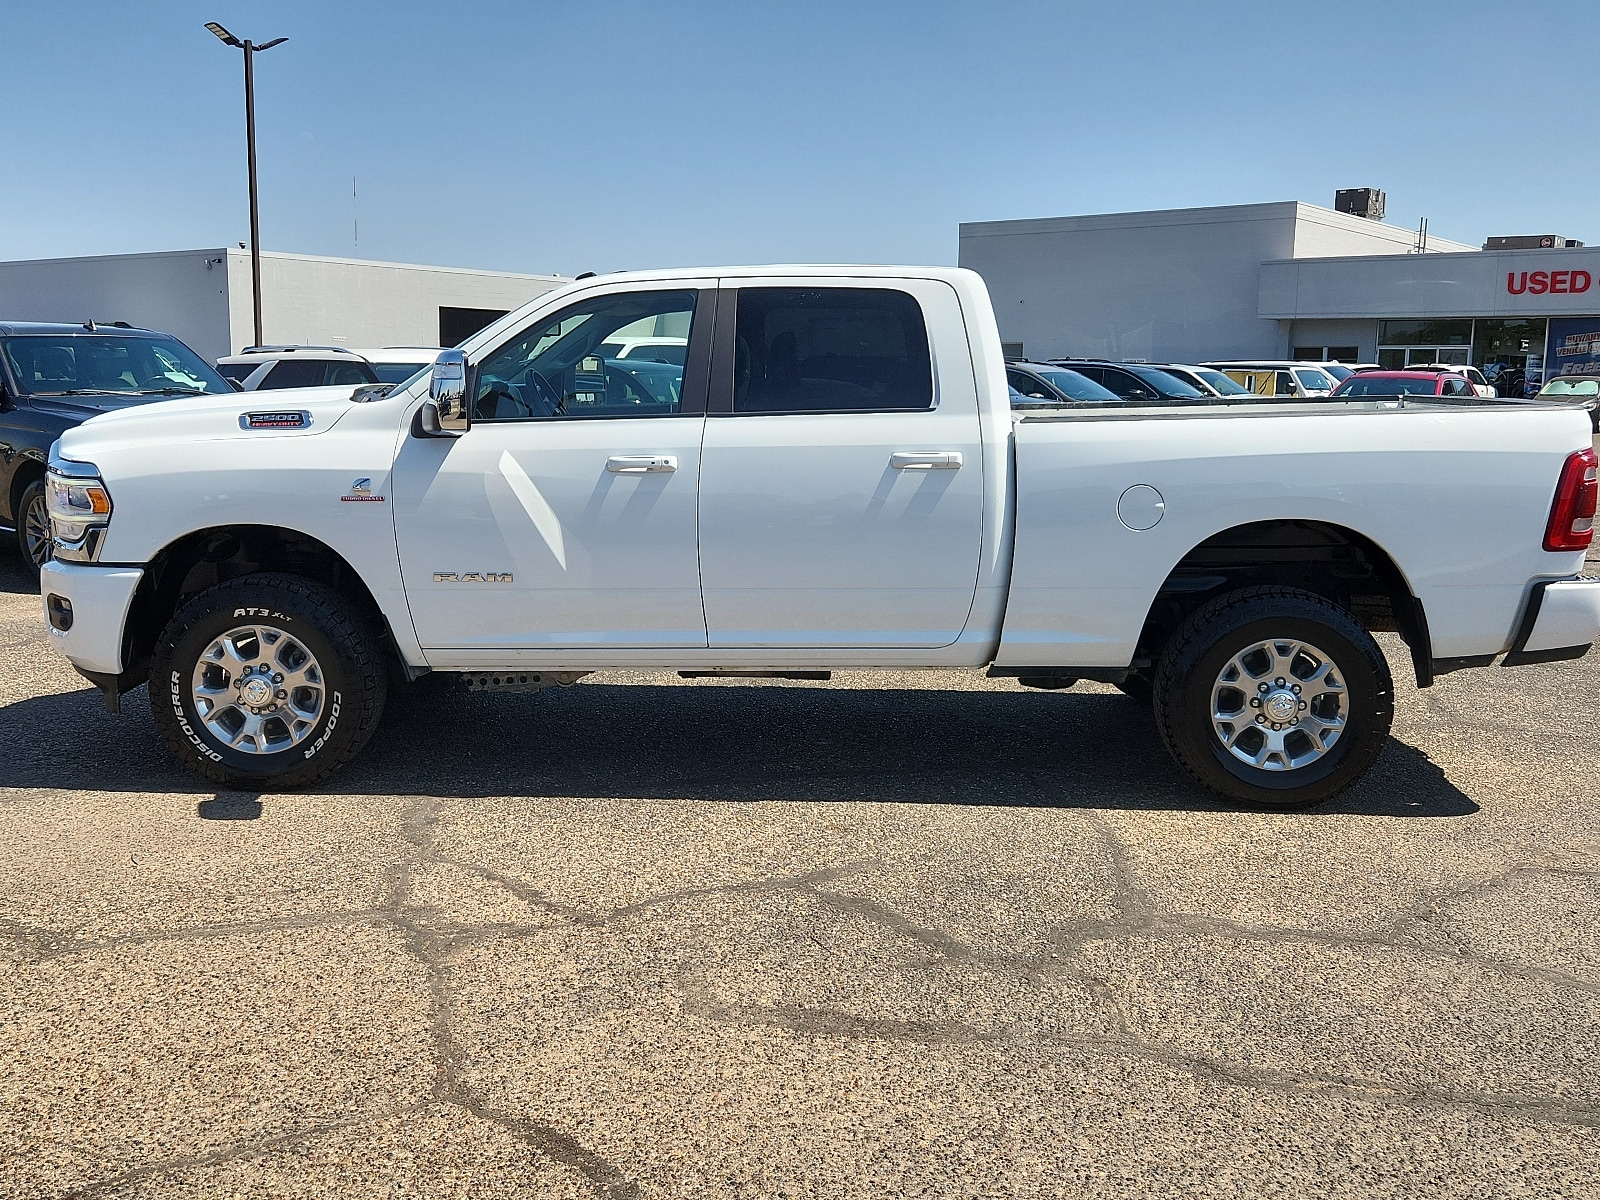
<point x="570" y="365"/>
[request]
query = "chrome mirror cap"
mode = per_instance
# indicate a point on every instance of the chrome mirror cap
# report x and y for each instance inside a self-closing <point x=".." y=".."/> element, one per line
<point x="447" y="390"/>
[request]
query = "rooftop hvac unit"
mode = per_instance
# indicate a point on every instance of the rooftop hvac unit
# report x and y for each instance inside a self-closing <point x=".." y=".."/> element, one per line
<point x="1533" y="241"/>
<point x="1359" y="202"/>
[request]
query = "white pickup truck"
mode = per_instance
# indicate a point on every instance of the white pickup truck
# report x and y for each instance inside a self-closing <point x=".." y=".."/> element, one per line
<point x="829" y="477"/>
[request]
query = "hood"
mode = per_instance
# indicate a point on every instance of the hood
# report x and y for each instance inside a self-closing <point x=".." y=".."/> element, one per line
<point x="81" y="408"/>
<point x="183" y="420"/>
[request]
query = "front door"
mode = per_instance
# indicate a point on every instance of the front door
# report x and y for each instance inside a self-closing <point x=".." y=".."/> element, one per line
<point x="565" y="516"/>
<point x="841" y="486"/>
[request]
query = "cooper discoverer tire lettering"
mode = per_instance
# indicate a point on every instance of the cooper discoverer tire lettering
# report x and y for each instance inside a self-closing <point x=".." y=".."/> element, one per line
<point x="1273" y="696"/>
<point x="268" y="681"/>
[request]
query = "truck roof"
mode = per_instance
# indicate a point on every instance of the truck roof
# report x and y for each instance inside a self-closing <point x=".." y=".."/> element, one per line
<point x="836" y="270"/>
<point x="58" y="328"/>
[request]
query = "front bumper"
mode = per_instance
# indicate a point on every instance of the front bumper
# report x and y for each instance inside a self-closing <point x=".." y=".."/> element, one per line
<point x="92" y="602"/>
<point x="1561" y="621"/>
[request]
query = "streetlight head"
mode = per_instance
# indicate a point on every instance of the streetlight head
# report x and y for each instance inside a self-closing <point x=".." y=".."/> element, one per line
<point x="223" y="35"/>
<point x="272" y="43"/>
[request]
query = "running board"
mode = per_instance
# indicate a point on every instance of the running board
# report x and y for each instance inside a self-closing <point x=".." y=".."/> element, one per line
<point x="508" y="681"/>
<point x="731" y="673"/>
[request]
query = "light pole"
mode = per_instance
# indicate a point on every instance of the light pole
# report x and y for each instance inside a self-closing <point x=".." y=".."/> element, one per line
<point x="250" y="49"/>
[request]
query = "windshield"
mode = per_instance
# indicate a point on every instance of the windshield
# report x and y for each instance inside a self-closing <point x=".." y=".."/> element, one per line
<point x="1368" y="385"/>
<point x="1074" y="385"/>
<point x="1313" y="380"/>
<point x="1339" y="373"/>
<point x="1571" y="387"/>
<point x="71" y="364"/>
<point x="1223" y="385"/>
<point x="1167" y="385"/>
<point x="397" y="372"/>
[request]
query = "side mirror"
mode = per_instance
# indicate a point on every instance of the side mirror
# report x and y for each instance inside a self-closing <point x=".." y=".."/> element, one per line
<point x="447" y="395"/>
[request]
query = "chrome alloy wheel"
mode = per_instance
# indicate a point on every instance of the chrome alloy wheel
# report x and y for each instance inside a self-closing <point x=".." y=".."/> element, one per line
<point x="36" y="535"/>
<point x="258" y="690"/>
<point x="1279" y="705"/>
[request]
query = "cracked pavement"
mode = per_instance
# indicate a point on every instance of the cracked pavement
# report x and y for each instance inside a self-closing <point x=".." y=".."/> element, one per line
<point x="896" y="935"/>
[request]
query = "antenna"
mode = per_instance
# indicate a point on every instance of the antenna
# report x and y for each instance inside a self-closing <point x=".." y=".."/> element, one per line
<point x="355" y="215"/>
<point x="1421" y="246"/>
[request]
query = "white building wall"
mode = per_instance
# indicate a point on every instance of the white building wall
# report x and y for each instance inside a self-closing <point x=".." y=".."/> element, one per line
<point x="1323" y="233"/>
<point x="1363" y="335"/>
<point x="1427" y="285"/>
<point x="353" y="302"/>
<point x="183" y="292"/>
<point x="1178" y="285"/>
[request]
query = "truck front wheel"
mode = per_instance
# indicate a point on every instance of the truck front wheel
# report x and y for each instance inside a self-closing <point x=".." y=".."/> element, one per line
<point x="266" y="682"/>
<point x="1273" y="696"/>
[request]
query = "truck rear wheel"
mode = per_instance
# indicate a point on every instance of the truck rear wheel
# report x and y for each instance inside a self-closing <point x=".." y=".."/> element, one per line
<point x="266" y="682"/>
<point x="1273" y="696"/>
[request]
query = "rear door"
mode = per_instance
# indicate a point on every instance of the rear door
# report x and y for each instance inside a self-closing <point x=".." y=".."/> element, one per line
<point x="841" y="478"/>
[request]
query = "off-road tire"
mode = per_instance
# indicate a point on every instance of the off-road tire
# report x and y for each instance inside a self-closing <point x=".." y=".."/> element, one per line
<point x="1204" y="644"/>
<point x="346" y="651"/>
<point x="32" y="496"/>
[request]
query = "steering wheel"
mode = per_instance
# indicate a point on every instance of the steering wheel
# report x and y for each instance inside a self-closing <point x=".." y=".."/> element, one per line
<point x="490" y="391"/>
<point x="544" y="393"/>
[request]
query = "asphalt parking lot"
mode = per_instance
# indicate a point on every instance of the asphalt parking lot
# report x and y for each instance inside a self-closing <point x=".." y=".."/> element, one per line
<point x="922" y="935"/>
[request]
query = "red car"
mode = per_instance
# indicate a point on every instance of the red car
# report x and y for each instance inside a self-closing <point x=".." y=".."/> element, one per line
<point x="1403" y="383"/>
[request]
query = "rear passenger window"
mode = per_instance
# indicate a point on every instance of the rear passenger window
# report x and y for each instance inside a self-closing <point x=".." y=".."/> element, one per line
<point x="348" y="373"/>
<point x="830" y="350"/>
<point x="293" y="373"/>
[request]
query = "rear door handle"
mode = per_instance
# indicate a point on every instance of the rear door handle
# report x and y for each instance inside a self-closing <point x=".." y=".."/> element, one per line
<point x="938" y="460"/>
<point x="641" y="464"/>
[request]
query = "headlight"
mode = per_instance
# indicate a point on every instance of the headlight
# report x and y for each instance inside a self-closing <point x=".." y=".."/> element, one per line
<point x="80" y="509"/>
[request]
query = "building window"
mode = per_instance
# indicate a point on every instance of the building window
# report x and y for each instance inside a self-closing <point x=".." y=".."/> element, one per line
<point x="1446" y="332"/>
<point x="456" y="325"/>
<point x="1339" y="354"/>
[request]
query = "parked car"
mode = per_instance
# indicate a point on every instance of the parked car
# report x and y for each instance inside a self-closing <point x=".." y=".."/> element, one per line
<point x="1336" y="371"/>
<point x="270" y="368"/>
<point x="1279" y="379"/>
<point x="1206" y="379"/>
<point x="839" y="483"/>
<point x="1137" y="382"/>
<point x="1575" y="389"/>
<point x="52" y="377"/>
<point x="1040" y="385"/>
<point x="1403" y="383"/>
<point x="656" y="349"/>
<point x="1471" y="374"/>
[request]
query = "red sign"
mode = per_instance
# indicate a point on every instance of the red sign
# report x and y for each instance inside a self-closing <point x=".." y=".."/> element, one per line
<point x="1556" y="283"/>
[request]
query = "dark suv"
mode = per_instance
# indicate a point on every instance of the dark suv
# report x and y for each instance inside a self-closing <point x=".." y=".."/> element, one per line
<point x="1137" y="382"/>
<point x="53" y="377"/>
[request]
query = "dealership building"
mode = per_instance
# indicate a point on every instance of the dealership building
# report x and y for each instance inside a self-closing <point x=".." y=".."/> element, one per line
<point x="204" y="298"/>
<point x="1285" y="280"/>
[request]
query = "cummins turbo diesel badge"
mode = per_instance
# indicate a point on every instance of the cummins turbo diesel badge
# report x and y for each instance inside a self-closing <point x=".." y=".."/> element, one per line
<point x="360" y="490"/>
<point x="275" y="420"/>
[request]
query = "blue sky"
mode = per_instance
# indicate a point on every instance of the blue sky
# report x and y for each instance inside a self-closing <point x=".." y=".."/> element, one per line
<point x="605" y="134"/>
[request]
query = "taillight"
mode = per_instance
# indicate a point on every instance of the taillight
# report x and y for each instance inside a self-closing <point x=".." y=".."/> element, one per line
<point x="1572" y="515"/>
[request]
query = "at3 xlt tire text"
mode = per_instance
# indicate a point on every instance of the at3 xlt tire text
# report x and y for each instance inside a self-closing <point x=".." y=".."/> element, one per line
<point x="349" y="672"/>
<point x="1199" y="656"/>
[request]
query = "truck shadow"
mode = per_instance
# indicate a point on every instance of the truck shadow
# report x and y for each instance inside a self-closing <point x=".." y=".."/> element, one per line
<point x="14" y="577"/>
<point x="711" y="742"/>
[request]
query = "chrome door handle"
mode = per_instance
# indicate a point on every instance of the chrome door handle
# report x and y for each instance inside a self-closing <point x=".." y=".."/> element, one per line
<point x="938" y="460"/>
<point x="641" y="464"/>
